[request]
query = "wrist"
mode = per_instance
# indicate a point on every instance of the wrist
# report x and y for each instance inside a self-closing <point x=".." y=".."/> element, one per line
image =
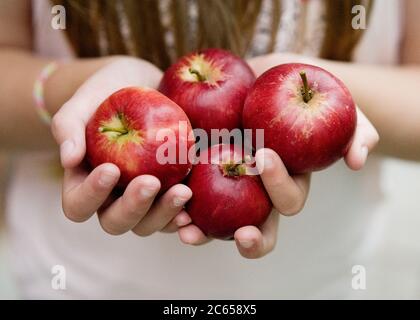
<point x="68" y="77"/>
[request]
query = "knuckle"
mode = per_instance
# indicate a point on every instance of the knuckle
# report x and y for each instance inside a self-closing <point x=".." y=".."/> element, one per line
<point x="170" y="212"/>
<point x="132" y="206"/>
<point x="277" y="181"/>
<point x="93" y="193"/>
<point x="133" y="210"/>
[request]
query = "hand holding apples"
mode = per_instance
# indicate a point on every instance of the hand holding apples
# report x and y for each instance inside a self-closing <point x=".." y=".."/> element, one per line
<point x="85" y="193"/>
<point x="136" y="210"/>
<point x="124" y="131"/>
<point x="288" y="193"/>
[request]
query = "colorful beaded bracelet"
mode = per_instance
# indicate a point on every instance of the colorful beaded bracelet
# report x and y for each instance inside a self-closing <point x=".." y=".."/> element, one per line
<point x="38" y="91"/>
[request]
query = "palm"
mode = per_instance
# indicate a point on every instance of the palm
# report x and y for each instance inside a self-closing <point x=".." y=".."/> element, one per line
<point x="86" y="193"/>
<point x="288" y="193"/>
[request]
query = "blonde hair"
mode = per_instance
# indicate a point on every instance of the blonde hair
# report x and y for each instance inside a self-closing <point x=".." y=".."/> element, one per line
<point x="228" y="24"/>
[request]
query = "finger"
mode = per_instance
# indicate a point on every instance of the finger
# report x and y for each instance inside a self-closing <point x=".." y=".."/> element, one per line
<point x="83" y="194"/>
<point x="254" y="243"/>
<point x="287" y="194"/>
<point x="123" y="214"/>
<point x="167" y="207"/>
<point x="365" y="139"/>
<point x="181" y="220"/>
<point x="192" y="235"/>
<point x="69" y="132"/>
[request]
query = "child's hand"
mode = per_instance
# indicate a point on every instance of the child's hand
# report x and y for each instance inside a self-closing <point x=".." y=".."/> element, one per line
<point x="288" y="193"/>
<point x="85" y="193"/>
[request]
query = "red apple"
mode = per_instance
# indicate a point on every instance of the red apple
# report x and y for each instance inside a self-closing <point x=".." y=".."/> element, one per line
<point x="124" y="129"/>
<point x="225" y="198"/>
<point x="211" y="87"/>
<point x="307" y="114"/>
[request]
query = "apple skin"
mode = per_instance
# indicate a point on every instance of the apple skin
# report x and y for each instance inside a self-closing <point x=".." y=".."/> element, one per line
<point x="221" y="204"/>
<point x="144" y="111"/>
<point x="217" y="102"/>
<point x="307" y="136"/>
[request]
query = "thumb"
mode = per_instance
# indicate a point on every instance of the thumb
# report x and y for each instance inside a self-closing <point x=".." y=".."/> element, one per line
<point x="365" y="139"/>
<point x="69" y="132"/>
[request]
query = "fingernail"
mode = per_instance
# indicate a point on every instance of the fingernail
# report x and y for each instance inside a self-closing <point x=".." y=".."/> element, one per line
<point x="268" y="161"/>
<point x="246" y="243"/>
<point x="179" y="202"/>
<point x="107" y="179"/>
<point x="265" y="162"/>
<point x="364" y="153"/>
<point x="66" y="149"/>
<point x="148" y="192"/>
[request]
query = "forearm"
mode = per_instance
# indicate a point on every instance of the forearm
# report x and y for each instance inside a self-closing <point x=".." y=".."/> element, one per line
<point x="389" y="96"/>
<point x="20" y="126"/>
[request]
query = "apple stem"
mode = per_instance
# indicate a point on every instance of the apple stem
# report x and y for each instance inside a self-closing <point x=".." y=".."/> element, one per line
<point x="199" y="76"/>
<point x="234" y="169"/>
<point x="108" y="129"/>
<point x="306" y="90"/>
